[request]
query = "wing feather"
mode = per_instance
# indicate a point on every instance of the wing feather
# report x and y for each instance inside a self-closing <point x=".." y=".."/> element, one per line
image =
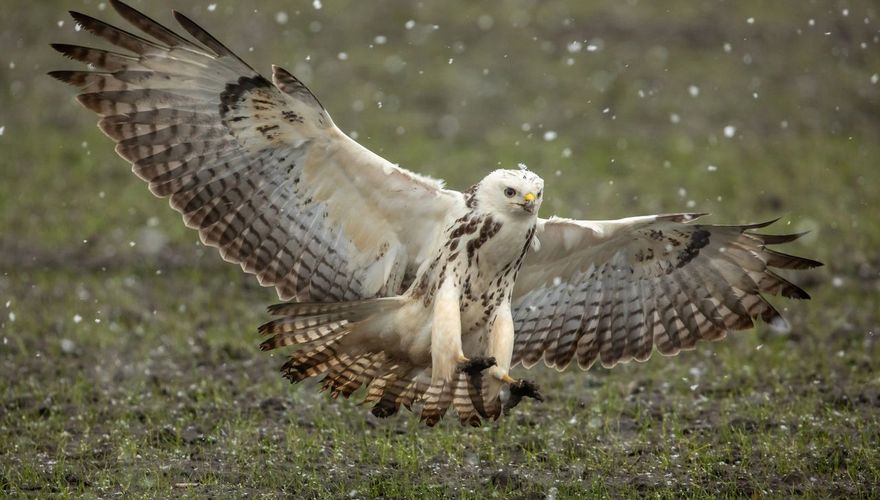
<point x="259" y="169"/>
<point x="566" y="345"/>
<point x="642" y="283"/>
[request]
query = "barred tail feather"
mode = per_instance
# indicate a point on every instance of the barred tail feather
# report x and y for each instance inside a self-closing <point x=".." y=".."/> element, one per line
<point x="319" y="328"/>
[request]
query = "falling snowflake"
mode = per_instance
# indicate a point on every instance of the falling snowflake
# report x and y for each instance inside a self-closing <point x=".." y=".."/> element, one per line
<point x="485" y="22"/>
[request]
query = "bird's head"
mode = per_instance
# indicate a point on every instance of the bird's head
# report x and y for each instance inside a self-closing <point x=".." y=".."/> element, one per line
<point x="517" y="193"/>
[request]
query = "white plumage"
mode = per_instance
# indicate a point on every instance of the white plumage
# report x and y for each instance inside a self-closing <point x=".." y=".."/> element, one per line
<point x="420" y="293"/>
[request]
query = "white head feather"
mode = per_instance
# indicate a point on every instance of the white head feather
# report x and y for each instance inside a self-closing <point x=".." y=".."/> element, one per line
<point x="511" y="193"/>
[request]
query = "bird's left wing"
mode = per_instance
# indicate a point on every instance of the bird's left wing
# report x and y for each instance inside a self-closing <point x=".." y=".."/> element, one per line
<point x="614" y="290"/>
<point x="257" y="167"/>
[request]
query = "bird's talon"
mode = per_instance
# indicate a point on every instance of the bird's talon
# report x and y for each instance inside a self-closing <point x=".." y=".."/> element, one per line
<point x="522" y="389"/>
<point x="476" y="365"/>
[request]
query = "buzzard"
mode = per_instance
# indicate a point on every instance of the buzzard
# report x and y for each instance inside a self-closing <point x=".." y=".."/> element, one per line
<point x="421" y="294"/>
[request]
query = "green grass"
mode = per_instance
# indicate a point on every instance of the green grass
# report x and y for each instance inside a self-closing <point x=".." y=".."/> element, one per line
<point x="128" y="359"/>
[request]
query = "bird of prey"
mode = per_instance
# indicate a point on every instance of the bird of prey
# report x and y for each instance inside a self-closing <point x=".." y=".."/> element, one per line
<point x="423" y="295"/>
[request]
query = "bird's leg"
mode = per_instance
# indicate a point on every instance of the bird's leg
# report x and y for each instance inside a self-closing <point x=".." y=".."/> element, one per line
<point x="499" y="346"/>
<point x="446" y="351"/>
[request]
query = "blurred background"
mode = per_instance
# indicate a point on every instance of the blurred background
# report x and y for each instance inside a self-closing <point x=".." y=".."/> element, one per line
<point x="116" y="322"/>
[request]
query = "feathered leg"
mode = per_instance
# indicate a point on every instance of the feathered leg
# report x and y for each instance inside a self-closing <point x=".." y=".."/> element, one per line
<point x="446" y="351"/>
<point x="500" y="346"/>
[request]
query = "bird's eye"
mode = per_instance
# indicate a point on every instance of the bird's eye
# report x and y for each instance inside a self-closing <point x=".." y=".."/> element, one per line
<point x="510" y="192"/>
<point x="541" y="192"/>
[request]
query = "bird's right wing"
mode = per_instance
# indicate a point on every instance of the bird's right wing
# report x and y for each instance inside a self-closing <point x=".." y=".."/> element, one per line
<point x="259" y="169"/>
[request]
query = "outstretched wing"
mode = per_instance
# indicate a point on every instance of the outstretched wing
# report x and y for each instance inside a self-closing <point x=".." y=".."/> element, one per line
<point x="259" y="169"/>
<point x="613" y="290"/>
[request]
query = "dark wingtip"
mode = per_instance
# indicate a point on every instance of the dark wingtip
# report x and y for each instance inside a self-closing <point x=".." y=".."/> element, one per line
<point x="206" y="38"/>
<point x="776" y="239"/>
<point x="759" y="225"/>
<point x="185" y="22"/>
<point x="82" y="19"/>
<point x="786" y="261"/>
<point x="149" y="25"/>
<point x="810" y="263"/>
<point x="197" y="31"/>
<point x="793" y="291"/>
<point x="265" y="328"/>
<point x="60" y="75"/>
<point x="64" y="48"/>
<point x="274" y="308"/>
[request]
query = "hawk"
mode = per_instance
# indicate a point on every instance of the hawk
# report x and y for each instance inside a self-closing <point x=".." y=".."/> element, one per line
<point x="422" y="295"/>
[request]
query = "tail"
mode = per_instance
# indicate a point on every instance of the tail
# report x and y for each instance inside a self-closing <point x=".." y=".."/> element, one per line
<point x="319" y="328"/>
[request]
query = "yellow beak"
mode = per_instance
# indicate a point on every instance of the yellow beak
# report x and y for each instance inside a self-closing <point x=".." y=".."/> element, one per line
<point x="529" y="197"/>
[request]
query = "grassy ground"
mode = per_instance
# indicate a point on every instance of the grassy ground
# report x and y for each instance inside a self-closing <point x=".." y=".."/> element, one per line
<point x="128" y="360"/>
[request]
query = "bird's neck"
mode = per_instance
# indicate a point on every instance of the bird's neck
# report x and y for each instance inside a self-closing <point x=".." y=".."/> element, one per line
<point x="492" y="239"/>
